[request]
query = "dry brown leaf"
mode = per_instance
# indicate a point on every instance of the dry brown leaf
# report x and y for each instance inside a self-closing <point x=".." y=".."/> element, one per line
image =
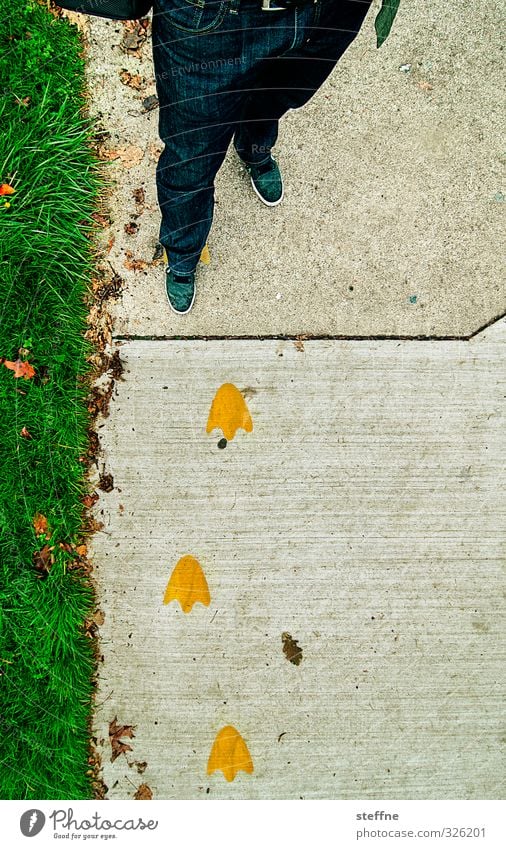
<point x="115" y="733"/>
<point x="106" y="482"/>
<point x="139" y="196"/>
<point x="103" y="220"/>
<point x="134" y="264"/>
<point x="291" y="649"/>
<point x="89" y="500"/>
<point x="40" y="524"/>
<point x="130" y="155"/>
<point x="26" y="433"/>
<point x="134" y="36"/>
<point x="144" y="792"/>
<point x="81" y="550"/>
<point x="99" y="617"/>
<point x="43" y="559"/>
<point x="154" y="151"/>
<point x="132" y="80"/>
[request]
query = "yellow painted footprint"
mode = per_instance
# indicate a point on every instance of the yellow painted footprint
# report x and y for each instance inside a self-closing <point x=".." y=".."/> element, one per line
<point x="230" y="754"/>
<point x="205" y="256"/>
<point x="229" y="412"/>
<point x="187" y="584"/>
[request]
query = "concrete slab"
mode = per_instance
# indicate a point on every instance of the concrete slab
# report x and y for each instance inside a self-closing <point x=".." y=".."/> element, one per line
<point x="363" y="515"/>
<point x="394" y="197"/>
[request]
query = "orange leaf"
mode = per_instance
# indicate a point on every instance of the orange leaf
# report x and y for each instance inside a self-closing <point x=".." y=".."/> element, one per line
<point x="21" y="368"/>
<point x="26" y="433"/>
<point x="81" y="550"/>
<point x="40" y="524"/>
<point x="5" y="189"/>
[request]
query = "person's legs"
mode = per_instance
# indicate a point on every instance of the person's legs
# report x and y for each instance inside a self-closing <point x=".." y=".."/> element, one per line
<point x="324" y="30"/>
<point x="205" y="54"/>
<point x="198" y="109"/>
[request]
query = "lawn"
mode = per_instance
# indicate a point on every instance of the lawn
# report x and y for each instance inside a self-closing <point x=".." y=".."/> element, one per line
<point x="46" y="658"/>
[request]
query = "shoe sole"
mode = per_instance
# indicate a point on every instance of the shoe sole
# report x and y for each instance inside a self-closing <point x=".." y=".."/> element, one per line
<point x="267" y="202"/>
<point x="177" y="312"/>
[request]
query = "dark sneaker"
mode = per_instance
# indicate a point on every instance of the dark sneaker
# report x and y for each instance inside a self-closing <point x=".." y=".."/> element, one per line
<point x="267" y="182"/>
<point x="180" y="291"/>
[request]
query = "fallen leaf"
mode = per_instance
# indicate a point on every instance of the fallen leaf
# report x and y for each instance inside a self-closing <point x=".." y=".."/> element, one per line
<point x="103" y="220"/>
<point x="144" y="792"/>
<point x="82" y="550"/>
<point x="115" y="733"/>
<point x="89" y="500"/>
<point x="132" y="80"/>
<point x="40" y="524"/>
<point x="131" y="228"/>
<point x="139" y="196"/>
<point x="26" y="433"/>
<point x="205" y="256"/>
<point x="106" y="483"/>
<point x="99" y="617"/>
<point x="291" y="649"/>
<point x="154" y="151"/>
<point x="115" y="366"/>
<point x="21" y="368"/>
<point x="135" y="34"/>
<point x="134" y="264"/>
<point x="43" y="559"/>
<point x="130" y="155"/>
<point x="5" y="189"/>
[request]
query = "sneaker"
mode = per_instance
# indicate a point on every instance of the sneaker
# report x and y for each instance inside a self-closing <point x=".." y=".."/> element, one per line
<point x="267" y="182"/>
<point x="180" y="291"/>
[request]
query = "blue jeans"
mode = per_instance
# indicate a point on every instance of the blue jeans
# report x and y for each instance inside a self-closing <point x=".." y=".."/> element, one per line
<point x="226" y="70"/>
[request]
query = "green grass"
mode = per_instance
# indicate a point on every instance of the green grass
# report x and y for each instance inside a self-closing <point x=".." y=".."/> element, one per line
<point x="46" y="661"/>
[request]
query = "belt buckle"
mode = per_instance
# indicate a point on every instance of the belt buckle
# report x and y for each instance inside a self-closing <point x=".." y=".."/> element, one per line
<point x="267" y="6"/>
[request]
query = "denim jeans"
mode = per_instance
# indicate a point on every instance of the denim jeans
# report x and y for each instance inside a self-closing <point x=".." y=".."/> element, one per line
<point x="226" y="70"/>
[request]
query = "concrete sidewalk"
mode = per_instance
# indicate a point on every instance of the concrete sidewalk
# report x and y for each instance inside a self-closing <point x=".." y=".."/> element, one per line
<point x="342" y="607"/>
<point x="394" y="195"/>
<point x="362" y="516"/>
